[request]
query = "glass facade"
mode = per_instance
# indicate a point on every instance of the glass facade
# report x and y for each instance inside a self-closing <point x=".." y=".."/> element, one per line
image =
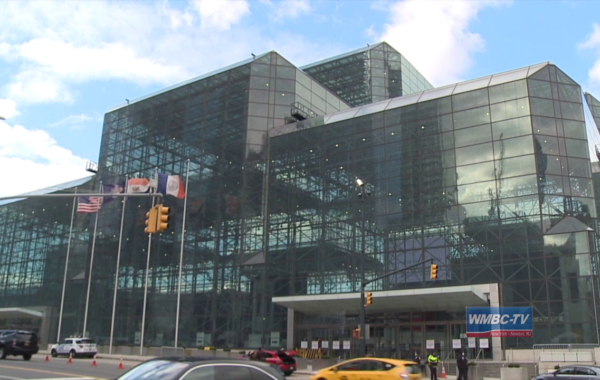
<point x="485" y="180"/>
<point x="594" y="107"/>
<point x="490" y="178"/>
<point x="369" y="75"/>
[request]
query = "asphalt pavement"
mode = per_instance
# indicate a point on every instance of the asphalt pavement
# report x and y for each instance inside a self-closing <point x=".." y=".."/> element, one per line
<point x="15" y="368"/>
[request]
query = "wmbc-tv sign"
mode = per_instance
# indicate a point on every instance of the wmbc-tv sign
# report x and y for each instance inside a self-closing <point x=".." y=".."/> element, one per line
<point x="508" y="322"/>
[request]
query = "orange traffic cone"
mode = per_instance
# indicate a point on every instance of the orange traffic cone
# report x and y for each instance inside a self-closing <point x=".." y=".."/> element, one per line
<point x="47" y="358"/>
<point x="70" y="359"/>
<point x="443" y="372"/>
<point x="121" y="366"/>
<point x="94" y="363"/>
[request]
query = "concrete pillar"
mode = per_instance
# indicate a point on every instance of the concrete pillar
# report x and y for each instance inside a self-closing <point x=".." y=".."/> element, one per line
<point x="290" y="329"/>
<point x="496" y="342"/>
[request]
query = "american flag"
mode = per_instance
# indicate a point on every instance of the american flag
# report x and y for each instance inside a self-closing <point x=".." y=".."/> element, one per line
<point x="89" y="204"/>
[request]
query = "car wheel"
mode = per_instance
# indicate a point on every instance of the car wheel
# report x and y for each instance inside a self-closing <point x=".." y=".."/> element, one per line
<point x="288" y="373"/>
<point x="27" y="357"/>
<point x="53" y="353"/>
<point x="2" y="353"/>
<point x="73" y="354"/>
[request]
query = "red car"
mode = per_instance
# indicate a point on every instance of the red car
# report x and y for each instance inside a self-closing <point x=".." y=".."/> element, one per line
<point x="279" y="358"/>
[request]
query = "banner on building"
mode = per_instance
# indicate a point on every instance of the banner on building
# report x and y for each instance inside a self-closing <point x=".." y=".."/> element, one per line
<point x="509" y="322"/>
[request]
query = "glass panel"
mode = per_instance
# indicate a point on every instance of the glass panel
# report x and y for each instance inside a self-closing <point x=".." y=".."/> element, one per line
<point x="571" y="111"/>
<point x="469" y="118"/>
<point x="508" y="91"/>
<point x="547" y="144"/>
<point x="437" y="93"/>
<point x="471" y="136"/>
<point x="475" y="173"/>
<point x="476" y="192"/>
<point x="372" y="108"/>
<point x="513" y="147"/>
<point x="579" y="168"/>
<point x="574" y="129"/>
<point x="510" y="109"/>
<point x="581" y="187"/>
<point x="343" y="115"/>
<point x="544" y="125"/>
<point x="470" y="99"/>
<point x="518" y="186"/>
<point x="540" y="89"/>
<point x="542" y="74"/>
<point x="509" y="76"/>
<point x="511" y="128"/>
<point x="569" y="93"/>
<point x="472" y="85"/>
<point x="403" y="100"/>
<point x="473" y="154"/>
<point x="434" y="107"/>
<point x="577" y="148"/>
<point x="542" y="107"/>
<point x="516" y="166"/>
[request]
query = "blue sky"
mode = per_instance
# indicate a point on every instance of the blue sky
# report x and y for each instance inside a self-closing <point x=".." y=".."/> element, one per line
<point x="64" y="64"/>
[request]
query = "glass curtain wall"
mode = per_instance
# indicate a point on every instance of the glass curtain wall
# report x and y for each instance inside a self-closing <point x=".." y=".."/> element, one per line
<point x="472" y="181"/>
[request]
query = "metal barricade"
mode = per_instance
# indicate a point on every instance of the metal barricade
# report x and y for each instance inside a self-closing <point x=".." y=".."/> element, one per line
<point x="564" y="352"/>
<point x="171" y="351"/>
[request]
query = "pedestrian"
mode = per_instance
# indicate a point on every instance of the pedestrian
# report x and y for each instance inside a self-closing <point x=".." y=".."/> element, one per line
<point x="433" y="361"/>
<point x="463" y="367"/>
<point x="419" y="360"/>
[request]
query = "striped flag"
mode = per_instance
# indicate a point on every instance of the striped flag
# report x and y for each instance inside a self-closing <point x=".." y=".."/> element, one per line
<point x="89" y="204"/>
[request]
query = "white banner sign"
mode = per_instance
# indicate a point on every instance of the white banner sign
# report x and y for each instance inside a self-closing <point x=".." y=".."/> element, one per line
<point x="430" y="344"/>
<point x="336" y="344"/>
<point x="314" y="344"/>
<point x="456" y="343"/>
<point x="346" y="345"/>
<point x="304" y="344"/>
<point x="325" y="344"/>
<point x="484" y="343"/>
<point x="472" y="343"/>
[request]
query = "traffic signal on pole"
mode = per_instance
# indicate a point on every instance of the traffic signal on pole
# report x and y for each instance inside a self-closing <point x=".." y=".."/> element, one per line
<point x="151" y="218"/>
<point x="369" y="298"/>
<point x="434" y="271"/>
<point x="162" y="222"/>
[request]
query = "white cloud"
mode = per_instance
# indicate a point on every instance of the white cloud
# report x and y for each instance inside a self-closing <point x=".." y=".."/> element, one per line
<point x="8" y="108"/>
<point x="74" y="121"/>
<point x="31" y="160"/>
<point x="593" y="43"/>
<point x="284" y="10"/>
<point x="430" y="32"/>
<point x="39" y="86"/>
<point x="220" y="14"/>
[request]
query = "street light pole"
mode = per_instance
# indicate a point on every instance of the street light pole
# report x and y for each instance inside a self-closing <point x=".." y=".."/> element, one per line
<point x="363" y="336"/>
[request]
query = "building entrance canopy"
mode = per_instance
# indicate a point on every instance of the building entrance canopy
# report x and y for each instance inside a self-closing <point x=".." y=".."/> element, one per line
<point x="428" y="299"/>
<point x="18" y="312"/>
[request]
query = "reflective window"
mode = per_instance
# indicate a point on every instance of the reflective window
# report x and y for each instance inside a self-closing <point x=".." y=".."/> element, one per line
<point x="508" y="91"/>
<point x="471" y="99"/>
<point x="511" y="128"/>
<point x="473" y="154"/>
<point x="472" y="117"/>
<point x="510" y="109"/>
<point x="471" y="136"/>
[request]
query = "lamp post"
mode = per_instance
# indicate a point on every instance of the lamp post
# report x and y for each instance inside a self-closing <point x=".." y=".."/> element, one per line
<point x="364" y="192"/>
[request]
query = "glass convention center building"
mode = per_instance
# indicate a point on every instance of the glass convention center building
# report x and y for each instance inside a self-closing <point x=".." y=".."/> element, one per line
<point x="492" y="179"/>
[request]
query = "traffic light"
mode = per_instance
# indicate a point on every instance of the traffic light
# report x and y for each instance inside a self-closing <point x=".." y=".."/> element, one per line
<point x="151" y="218"/>
<point x="162" y="222"/>
<point x="434" y="271"/>
<point x="369" y="298"/>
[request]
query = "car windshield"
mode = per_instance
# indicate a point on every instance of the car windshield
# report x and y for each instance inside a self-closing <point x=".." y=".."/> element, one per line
<point x="155" y="370"/>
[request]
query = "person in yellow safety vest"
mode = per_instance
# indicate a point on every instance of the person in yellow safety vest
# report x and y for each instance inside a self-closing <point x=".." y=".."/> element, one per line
<point x="433" y="361"/>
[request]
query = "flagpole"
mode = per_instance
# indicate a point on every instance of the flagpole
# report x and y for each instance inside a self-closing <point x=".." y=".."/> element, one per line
<point x="187" y="177"/>
<point x="146" y="282"/>
<point x="64" y="287"/>
<point x="87" y="300"/>
<point x="112" y="320"/>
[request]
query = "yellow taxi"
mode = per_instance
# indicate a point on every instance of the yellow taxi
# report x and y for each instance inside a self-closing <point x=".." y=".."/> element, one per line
<point x="371" y="369"/>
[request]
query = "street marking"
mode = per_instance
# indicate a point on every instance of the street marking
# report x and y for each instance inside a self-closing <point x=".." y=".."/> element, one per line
<point x="71" y="375"/>
<point x="10" y="378"/>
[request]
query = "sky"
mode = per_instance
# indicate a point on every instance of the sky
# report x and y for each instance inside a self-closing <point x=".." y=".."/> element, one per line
<point x="64" y="64"/>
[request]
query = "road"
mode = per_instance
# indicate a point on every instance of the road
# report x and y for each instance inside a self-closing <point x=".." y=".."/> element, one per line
<point x="15" y="368"/>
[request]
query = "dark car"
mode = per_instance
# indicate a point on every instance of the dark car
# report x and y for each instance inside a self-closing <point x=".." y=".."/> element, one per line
<point x="279" y="358"/>
<point x="195" y="368"/>
<point x="19" y="343"/>
<point x="572" y="372"/>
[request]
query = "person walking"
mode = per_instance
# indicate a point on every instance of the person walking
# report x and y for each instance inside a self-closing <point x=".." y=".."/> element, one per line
<point x="433" y="361"/>
<point x="463" y="367"/>
<point x="419" y="360"/>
